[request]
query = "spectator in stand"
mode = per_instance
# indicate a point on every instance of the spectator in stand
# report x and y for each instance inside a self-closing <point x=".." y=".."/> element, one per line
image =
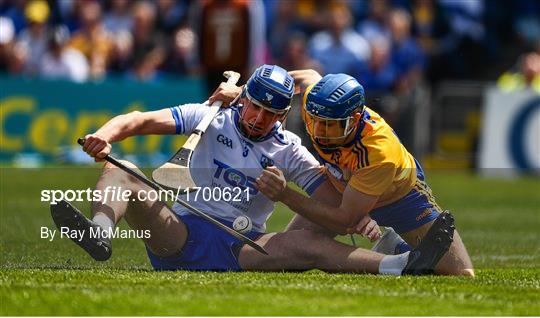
<point x="380" y="74"/>
<point x="62" y="62"/>
<point x="170" y="15"/>
<point x="69" y="13"/>
<point x="8" y="59"/>
<point x="339" y="48"/>
<point x="32" y="41"/>
<point x="16" y="14"/>
<point x="148" y="52"/>
<point x="313" y="13"/>
<point x="527" y="20"/>
<point x="467" y="36"/>
<point x="375" y="26"/>
<point x="285" y="21"/>
<point x="432" y="30"/>
<point x="231" y="37"/>
<point x="181" y="57"/>
<point x="118" y="19"/>
<point x="407" y="56"/>
<point x="526" y="76"/>
<point x="295" y="54"/>
<point x="122" y="52"/>
<point x="93" y="40"/>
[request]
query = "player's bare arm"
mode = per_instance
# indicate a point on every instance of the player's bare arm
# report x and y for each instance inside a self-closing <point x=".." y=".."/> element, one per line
<point x="159" y="122"/>
<point x="350" y="214"/>
<point x="304" y="78"/>
<point x="225" y="92"/>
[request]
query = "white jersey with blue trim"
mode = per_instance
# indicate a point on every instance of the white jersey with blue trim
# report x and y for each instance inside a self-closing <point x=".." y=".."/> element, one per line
<point x="225" y="158"/>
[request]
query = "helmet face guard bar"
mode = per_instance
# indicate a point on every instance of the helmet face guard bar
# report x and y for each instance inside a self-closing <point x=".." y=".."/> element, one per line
<point x="329" y="133"/>
<point x="269" y="92"/>
<point x="251" y="128"/>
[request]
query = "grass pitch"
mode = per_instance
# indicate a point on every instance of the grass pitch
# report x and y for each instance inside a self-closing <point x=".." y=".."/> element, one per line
<point x="499" y="220"/>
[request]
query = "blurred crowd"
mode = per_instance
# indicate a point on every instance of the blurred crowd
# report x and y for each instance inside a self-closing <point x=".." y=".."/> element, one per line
<point x="389" y="45"/>
<point x="386" y="44"/>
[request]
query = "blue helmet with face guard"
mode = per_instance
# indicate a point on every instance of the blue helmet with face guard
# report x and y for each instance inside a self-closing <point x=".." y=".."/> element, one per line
<point x="335" y="96"/>
<point x="270" y="87"/>
<point x="329" y="109"/>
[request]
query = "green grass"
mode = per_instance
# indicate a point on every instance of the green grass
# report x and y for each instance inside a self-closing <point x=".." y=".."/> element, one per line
<point x="499" y="220"/>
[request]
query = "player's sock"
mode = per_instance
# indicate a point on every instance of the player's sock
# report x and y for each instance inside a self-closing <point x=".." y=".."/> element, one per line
<point x="104" y="222"/>
<point x="391" y="243"/>
<point x="393" y="264"/>
<point x="403" y="247"/>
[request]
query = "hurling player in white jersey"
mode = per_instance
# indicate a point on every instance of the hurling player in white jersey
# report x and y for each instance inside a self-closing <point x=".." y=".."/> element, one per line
<point x="240" y="144"/>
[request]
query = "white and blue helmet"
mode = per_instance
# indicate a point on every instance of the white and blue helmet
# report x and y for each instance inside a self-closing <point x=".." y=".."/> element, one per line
<point x="270" y="87"/>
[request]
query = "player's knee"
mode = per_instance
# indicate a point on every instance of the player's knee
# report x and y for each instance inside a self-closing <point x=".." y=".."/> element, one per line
<point x="120" y="177"/>
<point x="458" y="271"/>
<point x="466" y="272"/>
<point x="108" y="166"/>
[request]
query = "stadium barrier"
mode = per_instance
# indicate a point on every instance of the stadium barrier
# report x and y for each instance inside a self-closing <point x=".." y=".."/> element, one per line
<point x="41" y="119"/>
<point x="510" y="142"/>
<point x="476" y="125"/>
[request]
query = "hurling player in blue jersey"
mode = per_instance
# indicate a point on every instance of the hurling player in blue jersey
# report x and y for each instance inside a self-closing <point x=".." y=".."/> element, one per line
<point x="240" y="142"/>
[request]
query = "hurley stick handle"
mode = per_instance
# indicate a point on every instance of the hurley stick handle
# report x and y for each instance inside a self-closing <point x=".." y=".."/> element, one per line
<point x="232" y="78"/>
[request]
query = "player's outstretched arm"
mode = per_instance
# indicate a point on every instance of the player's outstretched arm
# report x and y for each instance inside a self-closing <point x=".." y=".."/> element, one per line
<point x="344" y="218"/>
<point x="159" y="122"/>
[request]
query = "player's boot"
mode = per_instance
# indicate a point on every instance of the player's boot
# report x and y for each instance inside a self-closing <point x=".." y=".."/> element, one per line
<point x="423" y="259"/>
<point x="68" y="217"/>
<point x="390" y="243"/>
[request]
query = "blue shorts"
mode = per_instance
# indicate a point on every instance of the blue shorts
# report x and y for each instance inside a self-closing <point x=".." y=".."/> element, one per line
<point x="207" y="248"/>
<point x="415" y="209"/>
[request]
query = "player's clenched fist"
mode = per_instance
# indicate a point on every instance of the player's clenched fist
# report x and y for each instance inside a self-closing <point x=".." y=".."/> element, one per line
<point x="226" y="92"/>
<point x="96" y="146"/>
<point x="367" y="227"/>
<point x="304" y="78"/>
<point x="272" y="183"/>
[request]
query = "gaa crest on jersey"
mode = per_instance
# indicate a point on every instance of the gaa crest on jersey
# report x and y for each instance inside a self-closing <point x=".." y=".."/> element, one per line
<point x="266" y="162"/>
<point x="225" y="140"/>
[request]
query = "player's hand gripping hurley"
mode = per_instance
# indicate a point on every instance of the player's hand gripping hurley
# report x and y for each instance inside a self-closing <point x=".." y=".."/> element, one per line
<point x="193" y="210"/>
<point x="175" y="173"/>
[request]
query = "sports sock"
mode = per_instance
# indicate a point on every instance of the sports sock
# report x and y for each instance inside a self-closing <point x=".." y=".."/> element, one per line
<point x="403" y="247"/>
<point x="391" y="243"/>
<point x="393" y="264"/>
<point x="104" y="221"/>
